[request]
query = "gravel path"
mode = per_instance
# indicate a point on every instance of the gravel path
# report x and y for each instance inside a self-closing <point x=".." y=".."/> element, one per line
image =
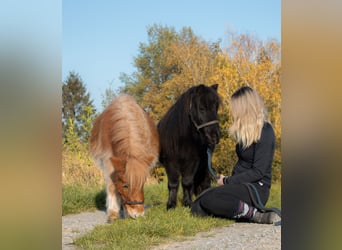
<point x="75" y="225"/>
<point x="238" y="236"/>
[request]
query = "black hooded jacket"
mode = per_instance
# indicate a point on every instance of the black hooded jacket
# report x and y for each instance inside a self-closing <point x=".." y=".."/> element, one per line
<point x="255" y="162"/>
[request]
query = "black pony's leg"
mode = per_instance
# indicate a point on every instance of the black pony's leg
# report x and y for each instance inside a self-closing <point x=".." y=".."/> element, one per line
<point x="173" y="184"/>
<point x="202" y="177"/>
<point x="204" y="185"/>
<point x="188" y="182"/>
<point x="188" y="189"/>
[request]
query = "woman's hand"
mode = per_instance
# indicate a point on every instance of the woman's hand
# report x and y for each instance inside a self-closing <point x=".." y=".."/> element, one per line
<point x="220" y="180"/>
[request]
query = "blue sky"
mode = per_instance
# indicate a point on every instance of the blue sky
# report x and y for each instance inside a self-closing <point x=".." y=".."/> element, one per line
<point x="101" y="38"/>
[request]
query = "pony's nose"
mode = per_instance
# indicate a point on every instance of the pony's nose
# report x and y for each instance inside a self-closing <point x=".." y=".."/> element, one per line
<point x="218" y="136"/>
<point x="135" y="215"/>
<point x="216" y="139"/>
<point x="213" y="137"/>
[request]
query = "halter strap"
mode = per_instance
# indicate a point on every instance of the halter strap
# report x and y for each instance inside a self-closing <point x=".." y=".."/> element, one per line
<point x="210" y="168"/>
<point x="132" y="202"/>
<point x="198" y="127"/>
<point x="206" y="124"/>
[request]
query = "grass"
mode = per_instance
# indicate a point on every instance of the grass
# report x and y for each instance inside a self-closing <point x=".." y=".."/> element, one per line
<point x="79" y="169"/>
<point x="157" y="226"/>
<point x="275" y="196"/>
<point x="80" y="198"/>
<point x="83" y="182"/>
<point x="83" y="190"/>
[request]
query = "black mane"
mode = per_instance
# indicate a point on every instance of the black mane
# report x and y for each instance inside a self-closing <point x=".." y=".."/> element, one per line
<point x="176" y="122"/>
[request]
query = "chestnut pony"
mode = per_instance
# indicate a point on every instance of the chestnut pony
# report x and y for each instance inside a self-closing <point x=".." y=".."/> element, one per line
<point x="124" y="142"/>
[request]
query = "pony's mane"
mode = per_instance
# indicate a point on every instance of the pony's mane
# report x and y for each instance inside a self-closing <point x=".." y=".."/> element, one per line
<point x="132" y="138"/>
<point x="175" y="122"/>
<point x="177" y="117"/>
<point x="125" y="131"/>
<point x="130" y="134"/>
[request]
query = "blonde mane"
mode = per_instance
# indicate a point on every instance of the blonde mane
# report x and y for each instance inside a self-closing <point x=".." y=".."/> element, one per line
<point x="125" y="131"/>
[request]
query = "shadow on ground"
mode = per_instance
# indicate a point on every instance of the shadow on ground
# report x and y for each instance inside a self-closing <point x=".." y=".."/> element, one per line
<point x="100" y="200"/>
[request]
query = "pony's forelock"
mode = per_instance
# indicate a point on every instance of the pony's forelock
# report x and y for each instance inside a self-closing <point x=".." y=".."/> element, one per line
<point x="137" y="172"/>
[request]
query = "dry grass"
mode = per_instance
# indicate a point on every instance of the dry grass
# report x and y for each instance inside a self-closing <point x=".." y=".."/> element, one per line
<point x="79" y="169"/>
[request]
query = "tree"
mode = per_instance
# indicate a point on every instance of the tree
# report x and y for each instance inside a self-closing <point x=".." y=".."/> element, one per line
<point x="108" y="96"/>
<point x="171" y="62"/>
<point x="152" y="69"/>
<point x="167" y="65"/>
<point x="77" y="109"/>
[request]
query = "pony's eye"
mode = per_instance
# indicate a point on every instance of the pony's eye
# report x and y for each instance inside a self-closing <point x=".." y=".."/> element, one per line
<point x="202" y="109"/>
<point x="125" y="186"/>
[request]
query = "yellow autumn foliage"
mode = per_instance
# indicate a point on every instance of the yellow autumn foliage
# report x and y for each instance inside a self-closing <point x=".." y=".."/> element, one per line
<point x="172" y="62"/>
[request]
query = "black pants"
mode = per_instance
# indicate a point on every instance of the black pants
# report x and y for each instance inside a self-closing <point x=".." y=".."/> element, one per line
<point x="223" y="201"/>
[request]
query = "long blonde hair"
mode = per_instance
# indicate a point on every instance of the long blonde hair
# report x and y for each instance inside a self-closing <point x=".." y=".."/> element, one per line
<point x="249" y="115"/>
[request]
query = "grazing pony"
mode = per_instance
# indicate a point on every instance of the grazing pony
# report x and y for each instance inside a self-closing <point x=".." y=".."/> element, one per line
<point x="124" y="142"/>
<point x="186" y="131"/>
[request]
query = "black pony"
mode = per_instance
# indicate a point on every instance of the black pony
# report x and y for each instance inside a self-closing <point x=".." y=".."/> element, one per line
<point x="186" y="131"/>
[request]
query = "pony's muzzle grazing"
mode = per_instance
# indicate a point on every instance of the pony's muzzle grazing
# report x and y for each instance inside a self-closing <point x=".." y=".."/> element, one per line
<point x="135" y="212"/>
<point x="133" y="209"/>
<point x="136" y="215"/>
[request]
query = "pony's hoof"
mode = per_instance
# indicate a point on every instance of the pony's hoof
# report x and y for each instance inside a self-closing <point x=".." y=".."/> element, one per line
<point x="170" y="206"/>
<point x="112" y="216"/>
<point x="110" y="220"/>
<point x="187" y="204"/>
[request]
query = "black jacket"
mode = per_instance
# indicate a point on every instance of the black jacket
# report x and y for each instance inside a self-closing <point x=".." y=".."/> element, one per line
<point x="255" y="162"/>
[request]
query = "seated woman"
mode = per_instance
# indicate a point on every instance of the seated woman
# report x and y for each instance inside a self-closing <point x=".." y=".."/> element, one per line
<point x="255" y="150"/>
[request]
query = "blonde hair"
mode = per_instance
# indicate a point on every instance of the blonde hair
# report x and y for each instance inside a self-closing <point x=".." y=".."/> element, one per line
<point x="249" y="115"/>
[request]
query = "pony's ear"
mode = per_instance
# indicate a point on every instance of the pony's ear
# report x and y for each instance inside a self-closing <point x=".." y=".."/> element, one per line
<point x="215" y="86"/>
<point x="118" y="164"/>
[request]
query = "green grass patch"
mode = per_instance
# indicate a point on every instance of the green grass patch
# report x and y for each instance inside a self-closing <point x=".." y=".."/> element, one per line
<point x="275" y="196"/>
<point x="78" y="198"/>
<point x="157" y="226"/>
